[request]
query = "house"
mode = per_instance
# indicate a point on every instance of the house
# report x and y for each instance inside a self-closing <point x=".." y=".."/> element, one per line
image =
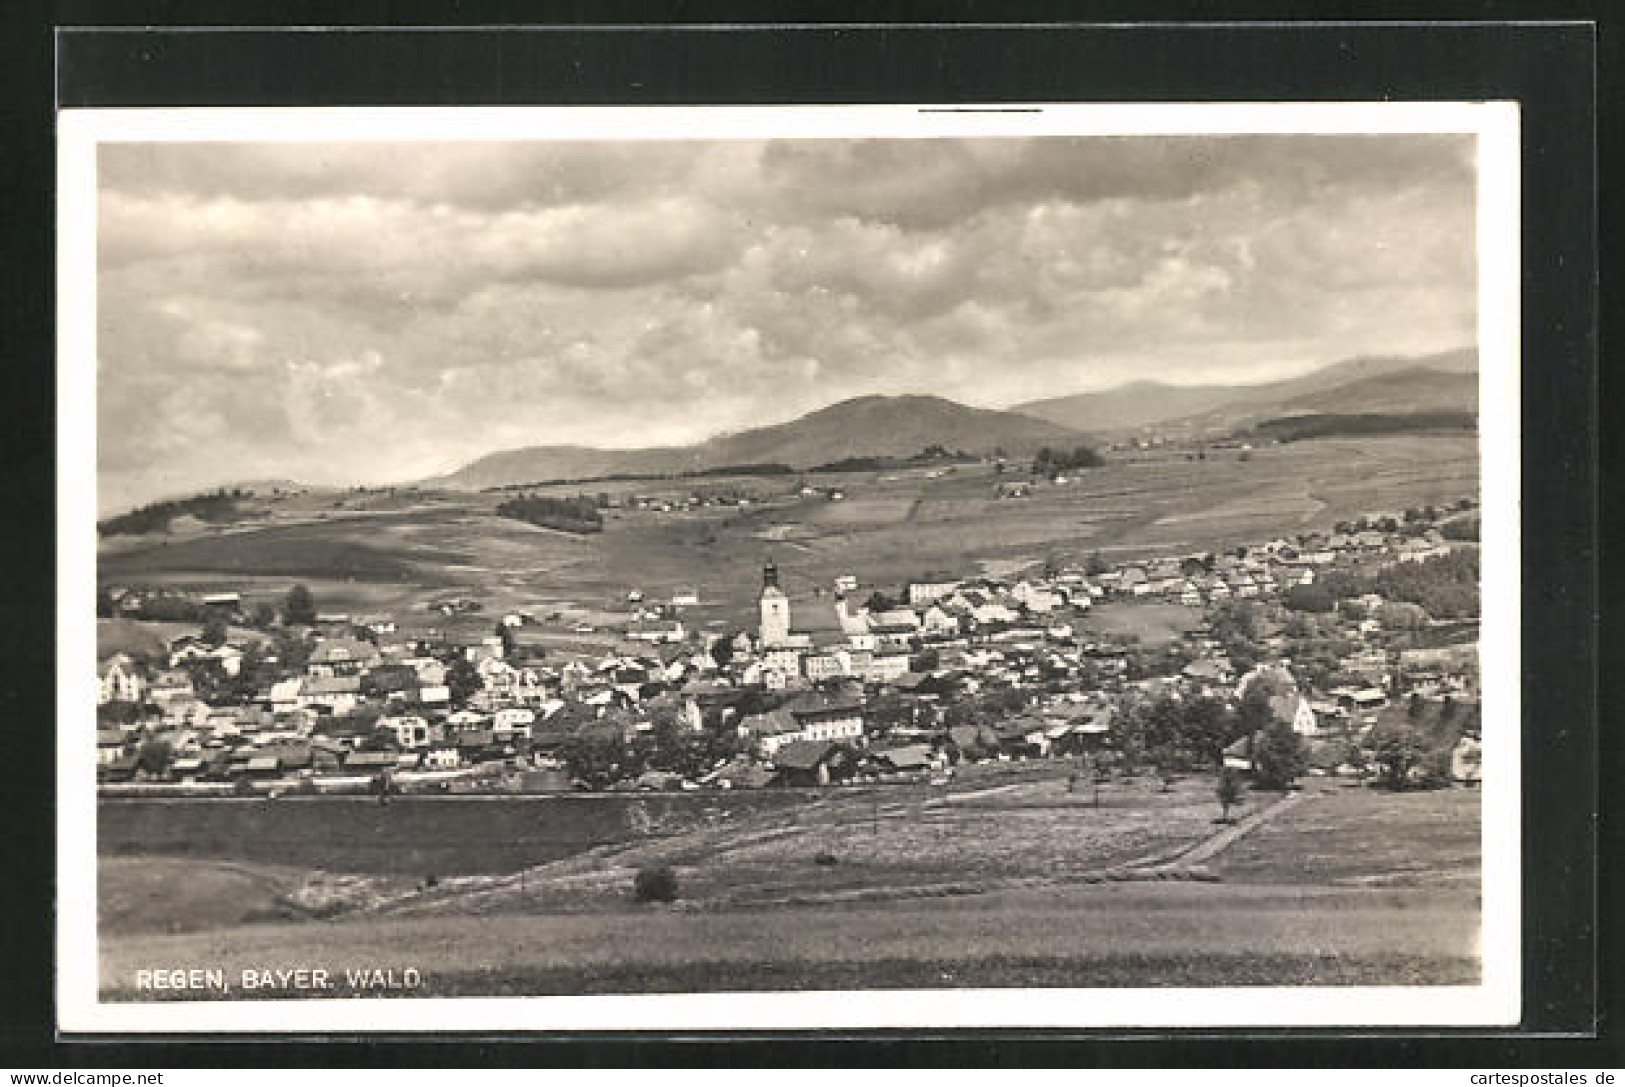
<point x="822" y="666"/>
<point x="928" y="590"/>
<point x="685" y="596"/>
<point x="814" y="762"/>
<point x="1360" y="699"/>
<point x="120" y="680"/>
<point x="189" y="768"/>
<point x="1024" y="736"/>
<point x="972" y="741"/>
<point x="122" y="768"/>
<point x="827" y="717"/>
<point x="340" y="694"/>
<point x="1295" y="710"/>
<point x="513" y="722"/>
<point x="284" y="694"/>
<point x="442" y="757"/>
<point x="936" y="620"/>
<point x="465" y="720"/>
<point x="109" y="746"/>
<point x="740" y="773"/>
<point x="341" y="657"/>
<point x="1467" y="761"/>
<point x="910" y="758"/>
<point x="1037" y="598"/>
<point x="1206" y="670"/>
<point x="370" y="762"/>
<point x="659" y="631"/>
<point x="411" y="732"/>
<point x="168" y="686"/>
<point x="770" y="731"/>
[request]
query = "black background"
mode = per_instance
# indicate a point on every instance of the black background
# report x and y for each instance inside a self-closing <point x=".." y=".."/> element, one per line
<point x="1548" y="68"/>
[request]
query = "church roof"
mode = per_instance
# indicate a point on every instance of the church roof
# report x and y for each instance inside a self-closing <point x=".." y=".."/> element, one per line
<point x="814" y="616"/>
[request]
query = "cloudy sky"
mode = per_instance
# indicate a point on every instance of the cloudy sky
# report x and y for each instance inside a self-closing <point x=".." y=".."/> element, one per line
<point x="382" y="312"/>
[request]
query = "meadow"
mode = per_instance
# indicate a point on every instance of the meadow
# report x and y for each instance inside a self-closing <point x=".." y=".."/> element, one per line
<point x="1010" y="878"/>
<point x="1125" y="934"/>
<point x="373" y="552"/>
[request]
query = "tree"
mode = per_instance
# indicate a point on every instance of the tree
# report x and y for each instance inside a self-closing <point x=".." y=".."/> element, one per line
<point x="153" y="757"/>
<point x="463" y="679"/>
<point x="1228" y="790"/>
<point x="262" y="615"/>
<point x="1165" y="759"/>
<point x="722" y="651"/>
<point x="592" y="760"/>
<point x="878" y="601"/>
<point x="105" y="608"/>
<point x="1396" y="751"/>
<point x="1254" y="713"/>
<point x="1278" y="757"/>
<point x="214" y="632"/>
<point x="1094" y="565"/>
<point x="292" y="650"/>
<point x="299" y="607"/>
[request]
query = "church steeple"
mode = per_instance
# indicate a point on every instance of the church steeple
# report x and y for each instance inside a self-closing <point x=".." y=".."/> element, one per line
<point x="774" y="607"/>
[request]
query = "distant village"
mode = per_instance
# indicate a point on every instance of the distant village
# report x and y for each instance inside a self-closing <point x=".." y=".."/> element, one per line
<point x="1356" y="649"/>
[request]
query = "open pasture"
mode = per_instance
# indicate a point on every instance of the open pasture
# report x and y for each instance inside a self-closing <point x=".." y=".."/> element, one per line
<point x="985" y="889"/>
<point x="890" y="527"/>
<point x="1159" y="934"/>
<point x="1365" y="837"/>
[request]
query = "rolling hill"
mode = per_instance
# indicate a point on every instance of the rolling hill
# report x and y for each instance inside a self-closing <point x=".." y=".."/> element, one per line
<point x="867" y="426"/>
<point x="1442" y="382"/>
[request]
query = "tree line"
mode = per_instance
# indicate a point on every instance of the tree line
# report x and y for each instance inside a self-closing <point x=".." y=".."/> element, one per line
<point x="217" y="506"/>
<point x="579" y="514"/>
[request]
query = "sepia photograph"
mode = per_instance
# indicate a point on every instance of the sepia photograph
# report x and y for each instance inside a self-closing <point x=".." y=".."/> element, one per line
<point x="789" y="567"/>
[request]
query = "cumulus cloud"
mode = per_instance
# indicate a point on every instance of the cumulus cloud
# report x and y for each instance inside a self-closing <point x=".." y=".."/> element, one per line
<point x="376" y="312"/>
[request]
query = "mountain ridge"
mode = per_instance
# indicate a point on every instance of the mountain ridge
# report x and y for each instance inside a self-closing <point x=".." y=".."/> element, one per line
<point x="864" y="426"/>
<point x="1150" y="403"/>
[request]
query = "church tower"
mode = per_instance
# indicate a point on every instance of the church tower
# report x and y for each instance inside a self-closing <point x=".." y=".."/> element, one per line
<point x="775" y="606"/>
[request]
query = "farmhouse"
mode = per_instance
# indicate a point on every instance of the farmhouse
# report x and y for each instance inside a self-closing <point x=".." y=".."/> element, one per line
<point x="814" y="762"/>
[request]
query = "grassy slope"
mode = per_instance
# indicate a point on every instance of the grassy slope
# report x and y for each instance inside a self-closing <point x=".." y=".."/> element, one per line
<point x="901" y="524"/>
<point x="1365" y="837"/>
<point x="1157" y="934"/>
<point x="1347" y="886"/>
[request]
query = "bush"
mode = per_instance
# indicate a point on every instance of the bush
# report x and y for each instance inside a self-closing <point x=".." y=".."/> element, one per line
<point x="655" y="885"/>
<point x="825" y="860"/>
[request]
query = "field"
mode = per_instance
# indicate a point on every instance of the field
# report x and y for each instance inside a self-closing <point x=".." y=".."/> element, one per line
<point x="1114" y="935"/>
<point x="1153" y="624"/>
<point x="1009" y="878"/>
<point x="417" y="836"/>
<point x="372" y="552"/>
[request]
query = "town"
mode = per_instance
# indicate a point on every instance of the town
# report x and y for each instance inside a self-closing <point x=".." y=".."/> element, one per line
<point x="1349" y="652"/>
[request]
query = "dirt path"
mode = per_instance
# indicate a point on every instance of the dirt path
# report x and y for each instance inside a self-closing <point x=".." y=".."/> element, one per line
<point x="1209" y="848"/>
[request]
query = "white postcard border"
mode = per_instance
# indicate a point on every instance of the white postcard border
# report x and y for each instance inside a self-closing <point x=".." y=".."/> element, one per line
<point x="1494" y="1002"/>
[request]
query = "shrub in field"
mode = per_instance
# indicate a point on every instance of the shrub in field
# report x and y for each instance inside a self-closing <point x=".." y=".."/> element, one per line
<point x="657" y="884"/>
<point x="825" y="860"/>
